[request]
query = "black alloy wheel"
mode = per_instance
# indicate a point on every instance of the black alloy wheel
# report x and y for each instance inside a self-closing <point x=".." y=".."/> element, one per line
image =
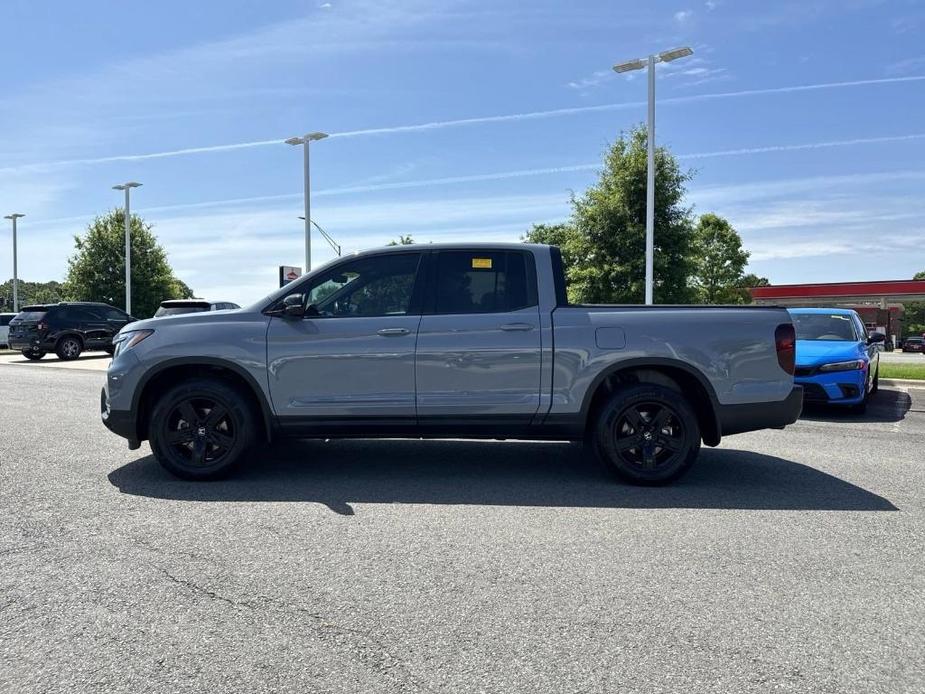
<point x="201" y="429"/>
<point x="648" y="434"/>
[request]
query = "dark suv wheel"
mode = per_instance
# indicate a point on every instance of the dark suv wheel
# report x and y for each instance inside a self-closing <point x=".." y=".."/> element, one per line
<point x="33" y="354"/>
<point x="647" y="434"/>
<point x="68" y="348"/>
<point x="202" y="429"/>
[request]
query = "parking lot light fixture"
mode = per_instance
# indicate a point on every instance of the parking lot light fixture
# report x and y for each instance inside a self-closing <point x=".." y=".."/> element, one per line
<point x="13" y="217"/>
<point x="638" y="64"/>
<point x="327" y="237"/>
<point x="127" y="187"/>
<point x="305" y="140"/>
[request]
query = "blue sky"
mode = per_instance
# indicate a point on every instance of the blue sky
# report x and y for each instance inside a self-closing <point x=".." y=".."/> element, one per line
<point x="802" y="119"/>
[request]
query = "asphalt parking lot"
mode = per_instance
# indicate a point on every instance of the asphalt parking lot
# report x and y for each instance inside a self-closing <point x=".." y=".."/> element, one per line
<point x="786" y="561"/>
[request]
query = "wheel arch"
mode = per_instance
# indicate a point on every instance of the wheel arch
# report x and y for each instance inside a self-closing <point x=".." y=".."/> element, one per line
<point x="165" y="375"/>
<point x="677" y="375"/>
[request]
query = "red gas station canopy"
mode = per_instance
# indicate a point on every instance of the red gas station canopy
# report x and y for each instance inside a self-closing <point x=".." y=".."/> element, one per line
<point x="889" y="290"/>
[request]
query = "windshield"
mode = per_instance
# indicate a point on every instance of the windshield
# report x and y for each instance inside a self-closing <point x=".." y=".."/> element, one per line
<point x="821" y="326"/>
<point x="174" y="310"/>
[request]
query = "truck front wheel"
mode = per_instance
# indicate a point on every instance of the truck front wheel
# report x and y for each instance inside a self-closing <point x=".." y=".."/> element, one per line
<point x="201" y="429"/>
<point x="647" y="434"/>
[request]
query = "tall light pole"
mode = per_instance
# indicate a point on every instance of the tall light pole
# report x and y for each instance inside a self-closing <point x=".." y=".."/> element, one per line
<point x="638" y="64"/>
<point x="305" y="140"/>
<point x="13" y="217"/>
<point x="127" y="187"/>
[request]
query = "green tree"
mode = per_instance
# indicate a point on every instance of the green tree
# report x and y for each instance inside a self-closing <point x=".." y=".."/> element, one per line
<point x="402" y="241"/>
<point x="604" y="240"/>
<point x="719" y="261"/>
<point x="914" y="314"/>
<point x="97" y="270"/>
<point x="31" y="293"/>
<point x="747" y="282"/>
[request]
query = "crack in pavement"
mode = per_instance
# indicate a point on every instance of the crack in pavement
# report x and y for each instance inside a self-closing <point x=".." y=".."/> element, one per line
<point x="366" y="651"/>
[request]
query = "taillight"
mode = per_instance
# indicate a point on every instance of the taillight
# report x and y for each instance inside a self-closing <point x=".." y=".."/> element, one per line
<point x="785" y="340"/>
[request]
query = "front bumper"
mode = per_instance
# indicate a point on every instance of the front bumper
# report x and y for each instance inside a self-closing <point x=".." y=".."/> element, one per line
<point x="118" y="406"/>
<point x="737" y="419"/>
<point x="836" y="388"/>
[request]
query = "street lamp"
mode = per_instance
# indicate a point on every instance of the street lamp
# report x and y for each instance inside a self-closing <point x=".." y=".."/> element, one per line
<point x="326" y="236"/>
<point x="13" y="217"/>
<point x="638" y="64"/>
<point x="127" y="187"/>
<point x="305" y="140"/>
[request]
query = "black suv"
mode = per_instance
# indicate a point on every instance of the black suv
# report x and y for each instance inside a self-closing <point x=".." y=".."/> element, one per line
<point x="67" y="329"/>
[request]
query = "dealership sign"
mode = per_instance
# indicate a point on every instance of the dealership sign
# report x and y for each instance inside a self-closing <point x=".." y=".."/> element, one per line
<point x="288" y="273"/>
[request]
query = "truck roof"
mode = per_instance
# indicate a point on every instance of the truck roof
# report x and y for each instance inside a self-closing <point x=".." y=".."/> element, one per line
<point x="488" y="246"/>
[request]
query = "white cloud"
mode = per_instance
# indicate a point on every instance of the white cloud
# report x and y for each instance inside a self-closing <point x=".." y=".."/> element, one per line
<point x="683" y="15"/>
<point x="711" y="5"/>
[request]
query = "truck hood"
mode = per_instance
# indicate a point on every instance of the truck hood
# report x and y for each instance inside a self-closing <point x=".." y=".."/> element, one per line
<point x="814" y="352"/>
<point x="183" y="319"/>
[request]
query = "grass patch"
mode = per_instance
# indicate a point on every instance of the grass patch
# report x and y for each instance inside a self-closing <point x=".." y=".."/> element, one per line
<point x="914" y="371"/>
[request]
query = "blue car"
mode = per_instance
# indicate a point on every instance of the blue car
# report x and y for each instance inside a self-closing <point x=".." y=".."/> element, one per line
<point x="837" y="363"/>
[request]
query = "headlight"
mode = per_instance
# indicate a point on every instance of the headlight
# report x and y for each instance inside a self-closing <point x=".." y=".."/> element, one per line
<point x="853" y="365"/>
<point x="128" y="339"/>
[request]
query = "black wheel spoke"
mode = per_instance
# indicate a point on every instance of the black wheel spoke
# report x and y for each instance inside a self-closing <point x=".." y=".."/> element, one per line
<point x="634" y="419"/>
<point x="661" y="419"/>
<point x="215" y="416"/>
<point x="648" y="457"/>
<point x="180" y="436"/>
<point x="670" y="444"/>
<point x="189" y="414"/>
<point x="221" y="439"/>
<point x="199" y="452"/>
<point x="627" y="443"/>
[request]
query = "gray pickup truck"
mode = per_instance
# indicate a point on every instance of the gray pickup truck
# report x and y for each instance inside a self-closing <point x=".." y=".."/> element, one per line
<point x="471" y="341"/>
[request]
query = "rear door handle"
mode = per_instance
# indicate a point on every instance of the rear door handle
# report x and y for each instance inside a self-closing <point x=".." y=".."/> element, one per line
<point x="393" y="332"/>
<point x="512" y="327"/>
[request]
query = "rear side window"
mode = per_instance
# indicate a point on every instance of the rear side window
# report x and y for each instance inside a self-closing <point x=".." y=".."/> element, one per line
<point x="114" y="314"/>
<point x="80" y="314"/>
<point x="483" y="282"/>
<point x="31" y="315"/>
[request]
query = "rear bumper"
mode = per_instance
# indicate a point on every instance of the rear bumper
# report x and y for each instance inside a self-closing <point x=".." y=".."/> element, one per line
<point x="737" y="419"/>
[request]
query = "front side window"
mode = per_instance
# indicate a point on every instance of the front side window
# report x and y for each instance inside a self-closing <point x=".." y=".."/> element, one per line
<point x="481" y="282"/>
<point x="369" y="286"/>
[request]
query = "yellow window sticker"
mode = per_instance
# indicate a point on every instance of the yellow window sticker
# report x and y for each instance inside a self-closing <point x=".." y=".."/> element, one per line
<point x="481" y="263"/>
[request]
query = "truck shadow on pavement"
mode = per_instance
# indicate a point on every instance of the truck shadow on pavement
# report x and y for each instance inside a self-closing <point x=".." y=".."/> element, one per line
<point x="884" y="406"/>
<point x="339" y="473"/>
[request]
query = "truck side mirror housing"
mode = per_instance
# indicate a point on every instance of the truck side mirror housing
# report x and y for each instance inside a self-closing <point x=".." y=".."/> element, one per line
<point x="876" y="338"/>
<point x="292" y="306"/>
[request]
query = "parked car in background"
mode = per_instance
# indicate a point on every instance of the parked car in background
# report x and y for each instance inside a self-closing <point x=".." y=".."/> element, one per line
<point x="837" y="362"/>
<point x="173" y="307"/>
<point x="5" y="319"/>
<point x="914" y="344"/>
<point x="68" y="329"/>
<point x="444" y="341"/>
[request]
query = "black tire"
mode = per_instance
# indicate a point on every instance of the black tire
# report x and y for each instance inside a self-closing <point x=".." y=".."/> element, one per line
<point x="33" y="355"/>
<point x="110" y="351"/>
<point x="876" y="385"/>
<point x="634" y="415"/>
<point x="68" y="348"/>
<point x="202" y="429"/>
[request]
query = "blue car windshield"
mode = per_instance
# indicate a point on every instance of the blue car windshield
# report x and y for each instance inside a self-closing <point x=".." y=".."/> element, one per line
<point x="821" y="326"/>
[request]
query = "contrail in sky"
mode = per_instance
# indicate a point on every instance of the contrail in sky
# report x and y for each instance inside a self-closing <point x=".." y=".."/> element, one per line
<point x="439" y="125"/>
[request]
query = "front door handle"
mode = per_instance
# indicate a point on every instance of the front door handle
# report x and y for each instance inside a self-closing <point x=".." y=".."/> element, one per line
<point x="514" y="327"/>
<point x="393" y="332"/>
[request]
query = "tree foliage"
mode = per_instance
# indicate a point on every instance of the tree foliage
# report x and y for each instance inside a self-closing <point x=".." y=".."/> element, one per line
<point x="31" y="293"/>
<point x="402" y="241"/>
<point x="914" y="315"/>
<point x="719" y="262"/>
<point x="604" y="240"/>
<point x="97" y="270"/>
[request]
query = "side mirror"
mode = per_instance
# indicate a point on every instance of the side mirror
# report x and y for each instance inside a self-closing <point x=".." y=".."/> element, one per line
<point x="876" y="338"/>
<point x="292" y="306"/>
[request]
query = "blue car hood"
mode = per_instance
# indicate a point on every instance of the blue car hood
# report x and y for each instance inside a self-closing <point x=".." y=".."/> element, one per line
<point x="812" y="352"/>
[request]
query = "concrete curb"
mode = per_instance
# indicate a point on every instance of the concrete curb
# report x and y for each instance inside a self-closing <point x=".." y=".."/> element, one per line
<point x="905" y="382"/>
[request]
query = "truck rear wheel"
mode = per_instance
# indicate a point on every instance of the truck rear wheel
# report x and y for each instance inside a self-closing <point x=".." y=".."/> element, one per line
<point x="201" y="429"/>
<point x="647" y="434"/>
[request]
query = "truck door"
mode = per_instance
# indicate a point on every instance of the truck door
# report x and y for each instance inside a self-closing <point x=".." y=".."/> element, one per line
<point x="352" y="355"/>
<point x="479" y="344"/>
